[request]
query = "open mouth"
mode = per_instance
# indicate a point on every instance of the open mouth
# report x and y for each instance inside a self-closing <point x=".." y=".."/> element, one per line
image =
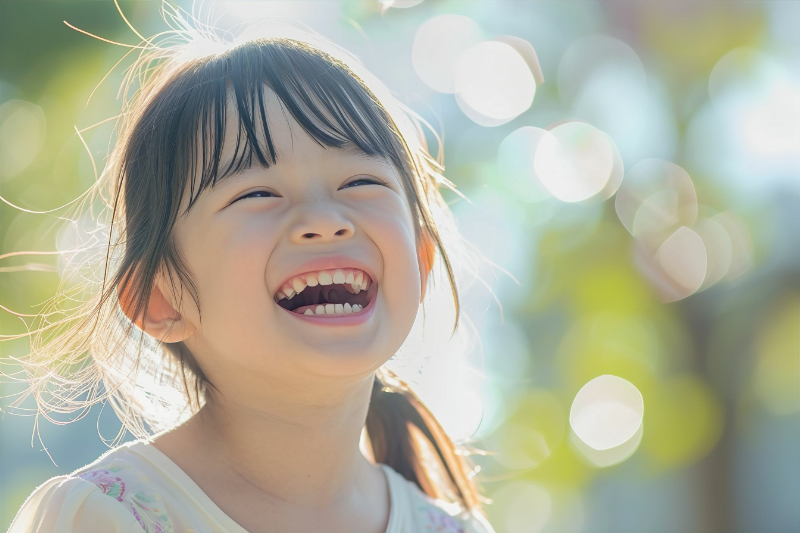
<point x="333" y="293"/>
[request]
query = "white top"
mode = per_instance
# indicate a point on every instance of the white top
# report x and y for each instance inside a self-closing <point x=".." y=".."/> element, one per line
<point x="135" y="488"/>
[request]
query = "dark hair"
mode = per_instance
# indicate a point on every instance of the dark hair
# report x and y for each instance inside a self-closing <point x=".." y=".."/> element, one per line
<point x="172" y="131"/>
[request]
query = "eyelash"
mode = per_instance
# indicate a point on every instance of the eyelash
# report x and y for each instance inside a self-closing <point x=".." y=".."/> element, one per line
<point x="375" y="181"/>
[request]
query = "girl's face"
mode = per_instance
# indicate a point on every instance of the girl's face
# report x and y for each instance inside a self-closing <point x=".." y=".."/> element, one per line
<point x="251" y="234"/>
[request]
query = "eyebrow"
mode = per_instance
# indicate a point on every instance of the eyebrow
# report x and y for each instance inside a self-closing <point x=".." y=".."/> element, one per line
<point x="347" y="150"/>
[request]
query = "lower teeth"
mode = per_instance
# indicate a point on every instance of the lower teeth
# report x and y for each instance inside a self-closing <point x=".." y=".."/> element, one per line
<point x="334" y="309"/>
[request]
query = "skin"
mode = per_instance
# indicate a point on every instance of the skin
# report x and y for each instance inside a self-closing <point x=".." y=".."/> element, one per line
<point x="282" y="441"/>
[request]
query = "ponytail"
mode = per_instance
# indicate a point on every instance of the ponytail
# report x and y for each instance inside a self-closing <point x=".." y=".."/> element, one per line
<point x="405" y="435"/>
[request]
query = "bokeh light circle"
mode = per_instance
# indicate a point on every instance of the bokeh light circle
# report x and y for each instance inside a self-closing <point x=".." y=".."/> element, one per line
<point x="575" y="161"/>
<point x="655" y="198"/>
<point x="495" y="81"/>
<point x="683" y="258"/>
<point x="606" y="419"/>
<point x="606" y="412"/>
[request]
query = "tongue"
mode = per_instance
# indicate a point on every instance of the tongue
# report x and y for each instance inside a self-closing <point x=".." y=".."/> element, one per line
<point x="335" y="297"/>
<point x="336" y="294"/>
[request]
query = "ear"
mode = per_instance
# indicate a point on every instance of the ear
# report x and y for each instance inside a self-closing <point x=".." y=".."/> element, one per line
<point x="426" y="254"/>
<point x="160" y="320"/>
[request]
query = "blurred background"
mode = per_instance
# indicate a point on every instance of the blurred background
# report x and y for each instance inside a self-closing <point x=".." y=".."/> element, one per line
<point x="632" y="171"/>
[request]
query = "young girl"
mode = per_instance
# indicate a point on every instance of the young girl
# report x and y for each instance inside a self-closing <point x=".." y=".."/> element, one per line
<point x="274" y="227"/>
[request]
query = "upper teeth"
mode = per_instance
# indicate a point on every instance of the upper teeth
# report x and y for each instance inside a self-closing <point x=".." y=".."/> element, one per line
<point x="357" y="279"/>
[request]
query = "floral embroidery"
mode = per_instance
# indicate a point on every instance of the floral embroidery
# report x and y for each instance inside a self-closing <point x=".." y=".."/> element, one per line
<point x="146" y="506"/>
<point x="439" y="521"/>
<point x="152" y="502"/>
<point x="111" y="484"/>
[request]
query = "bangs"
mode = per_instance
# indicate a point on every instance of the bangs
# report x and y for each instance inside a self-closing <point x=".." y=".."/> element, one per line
<point x="331" y="105"/>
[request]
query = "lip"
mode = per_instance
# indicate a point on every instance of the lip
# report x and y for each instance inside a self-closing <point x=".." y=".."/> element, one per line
<point x="329" y="262"/>
<point x="342" y="320"/>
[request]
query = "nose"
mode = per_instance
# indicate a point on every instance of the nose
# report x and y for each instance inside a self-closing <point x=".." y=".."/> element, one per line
<point x="319" y="225"/>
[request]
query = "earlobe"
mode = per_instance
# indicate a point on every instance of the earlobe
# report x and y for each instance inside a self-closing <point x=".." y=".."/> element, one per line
<point x="160" y="319"/>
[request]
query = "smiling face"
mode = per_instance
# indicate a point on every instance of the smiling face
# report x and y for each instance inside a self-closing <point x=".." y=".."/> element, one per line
<point x="256" y="230"/>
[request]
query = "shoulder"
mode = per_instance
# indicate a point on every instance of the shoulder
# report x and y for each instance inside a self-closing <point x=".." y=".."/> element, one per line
<point x="120" y="480"/>
<point x="110" y="494"/>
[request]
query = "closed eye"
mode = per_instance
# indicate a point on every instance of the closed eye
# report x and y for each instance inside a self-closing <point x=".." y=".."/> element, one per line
<point x="250" y="195"/>
<point x="374" y="181"/>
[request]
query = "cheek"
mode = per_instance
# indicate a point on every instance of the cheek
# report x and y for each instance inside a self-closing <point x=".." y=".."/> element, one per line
<point x="390" y="228"/>
<point x="230" y="263"/>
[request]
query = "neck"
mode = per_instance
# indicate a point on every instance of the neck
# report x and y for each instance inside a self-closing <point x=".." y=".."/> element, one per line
<point x="298" y="452"/>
